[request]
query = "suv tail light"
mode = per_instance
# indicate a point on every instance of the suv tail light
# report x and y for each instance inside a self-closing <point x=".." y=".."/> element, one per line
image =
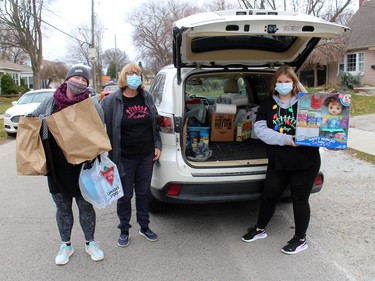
<point x="319" y="179"/>
<point x="174" y="190"/>
<point x="166" y="124"/>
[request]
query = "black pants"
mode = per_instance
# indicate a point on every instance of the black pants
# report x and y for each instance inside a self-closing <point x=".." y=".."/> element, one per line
<point x="138" y="179"/>
<point x="301" y="183"/>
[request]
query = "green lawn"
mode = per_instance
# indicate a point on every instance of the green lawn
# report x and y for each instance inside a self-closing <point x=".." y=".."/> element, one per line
<point x="4" y="106"/>
<point x="3" y="134"/>
<point x="362" y="105"/>
<point x="5" y="103"/>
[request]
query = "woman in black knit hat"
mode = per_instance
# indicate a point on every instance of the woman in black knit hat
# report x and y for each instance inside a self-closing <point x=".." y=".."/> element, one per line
<point x="63" y="176"/>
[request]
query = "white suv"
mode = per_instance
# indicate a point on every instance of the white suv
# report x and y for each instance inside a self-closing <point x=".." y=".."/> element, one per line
<point x="223" y="64"/>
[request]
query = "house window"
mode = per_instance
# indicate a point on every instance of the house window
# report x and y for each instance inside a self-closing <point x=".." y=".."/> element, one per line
<point x="15" y="78"/>
<point x="361" y="61"/>
<point x="351" y="62"/>
<point x="354" y="62"/>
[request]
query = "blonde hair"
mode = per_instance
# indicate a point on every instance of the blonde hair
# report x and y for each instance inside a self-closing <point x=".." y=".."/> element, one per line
<point x="130" y="67"/>
<point x="288" y="71"/>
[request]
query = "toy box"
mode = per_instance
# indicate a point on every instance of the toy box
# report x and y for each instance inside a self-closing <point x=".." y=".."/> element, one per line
<point x="323" y="120"/>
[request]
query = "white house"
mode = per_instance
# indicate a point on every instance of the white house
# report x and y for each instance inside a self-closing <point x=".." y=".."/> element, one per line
<point x="21" y="74"/>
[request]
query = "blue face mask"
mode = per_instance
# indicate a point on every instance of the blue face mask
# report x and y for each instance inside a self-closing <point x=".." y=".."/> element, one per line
<point x="134" y="81"/>
<point x="284" y="88"/>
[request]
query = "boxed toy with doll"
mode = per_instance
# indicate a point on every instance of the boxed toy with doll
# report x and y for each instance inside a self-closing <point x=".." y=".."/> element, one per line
<point x="323" y="120"/>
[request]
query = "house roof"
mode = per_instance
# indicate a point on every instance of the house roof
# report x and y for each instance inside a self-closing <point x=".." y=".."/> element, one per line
<point x="362" y="33"/>
<point x="8" y="66"/>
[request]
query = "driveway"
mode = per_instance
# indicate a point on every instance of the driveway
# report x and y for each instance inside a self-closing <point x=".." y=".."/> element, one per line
<point x="197" y="242"/>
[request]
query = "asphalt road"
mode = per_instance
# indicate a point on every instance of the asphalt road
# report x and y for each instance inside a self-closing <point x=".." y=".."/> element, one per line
<point x="197" y="242"/>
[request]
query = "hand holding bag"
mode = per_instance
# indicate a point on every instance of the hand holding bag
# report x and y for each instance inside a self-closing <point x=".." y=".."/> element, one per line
<point x="30" y="155"/>
<point x="79" y="132"/>
<point x="100" y="182"/>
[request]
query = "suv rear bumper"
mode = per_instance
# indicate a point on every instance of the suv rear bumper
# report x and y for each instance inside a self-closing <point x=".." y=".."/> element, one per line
<point x="216" y="192"/>
<point x="210" y="192"/>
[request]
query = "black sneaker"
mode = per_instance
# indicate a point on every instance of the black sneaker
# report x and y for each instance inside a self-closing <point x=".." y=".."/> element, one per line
<point x="123" y="240"/>
<point x="148" y="234"/>
<point x="295" y="246"/>
<point x="254" y="234"/>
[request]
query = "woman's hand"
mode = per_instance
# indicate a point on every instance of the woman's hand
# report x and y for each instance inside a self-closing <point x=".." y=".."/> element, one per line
<point x="292" y="143"/>
<point x="156" y="154"/>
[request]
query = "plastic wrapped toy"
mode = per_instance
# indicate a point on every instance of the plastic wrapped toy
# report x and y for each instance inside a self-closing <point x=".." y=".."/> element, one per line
<point x="323" y="120"/>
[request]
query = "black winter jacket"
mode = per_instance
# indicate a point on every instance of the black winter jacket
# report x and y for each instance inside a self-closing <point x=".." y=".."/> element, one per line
<point x="113" y="108"/>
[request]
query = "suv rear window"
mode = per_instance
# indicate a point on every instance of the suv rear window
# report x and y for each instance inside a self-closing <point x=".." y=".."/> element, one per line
<point x="157" y="88"/>
<point x="271" y="43"/>
<point x="211" y="86"/>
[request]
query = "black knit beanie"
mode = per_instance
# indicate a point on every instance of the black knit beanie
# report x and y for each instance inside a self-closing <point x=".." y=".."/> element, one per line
<point x="79" y="70"/>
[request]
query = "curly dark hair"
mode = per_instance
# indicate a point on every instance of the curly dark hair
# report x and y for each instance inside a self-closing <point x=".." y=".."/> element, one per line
<point x="334" y="99"/>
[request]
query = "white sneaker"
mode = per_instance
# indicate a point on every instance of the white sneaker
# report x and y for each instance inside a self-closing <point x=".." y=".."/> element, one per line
<point x="94" y="251"/>
<point x="64" y="254"/>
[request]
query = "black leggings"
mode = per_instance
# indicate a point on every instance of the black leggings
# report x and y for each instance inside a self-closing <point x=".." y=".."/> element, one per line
<point x="301" y="183"/>
<point x="65" y="220"/>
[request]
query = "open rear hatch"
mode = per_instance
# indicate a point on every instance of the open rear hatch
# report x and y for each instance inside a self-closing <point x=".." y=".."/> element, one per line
<point x="251" y="38"/>
<point x="239" y="44"/>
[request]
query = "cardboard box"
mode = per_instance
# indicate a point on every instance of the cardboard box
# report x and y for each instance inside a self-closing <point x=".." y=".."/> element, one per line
<point x="323" y="120"/>
<point x="222" y="127"/>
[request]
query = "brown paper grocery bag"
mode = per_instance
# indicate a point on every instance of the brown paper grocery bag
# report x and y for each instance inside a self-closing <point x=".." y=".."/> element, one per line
<point x="79" y="132"/>
<point x="30" y="155"/>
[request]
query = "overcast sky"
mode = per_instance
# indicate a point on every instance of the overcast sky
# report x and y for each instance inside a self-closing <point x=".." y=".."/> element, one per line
<point x="67" y="15"/>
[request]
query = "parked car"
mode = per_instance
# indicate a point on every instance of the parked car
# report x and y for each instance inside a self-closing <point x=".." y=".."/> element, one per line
<point x="225" y="57"/>
<point x="93" y="94"/>
<point x="26" y="104"/>
<point x="108" y="89"/>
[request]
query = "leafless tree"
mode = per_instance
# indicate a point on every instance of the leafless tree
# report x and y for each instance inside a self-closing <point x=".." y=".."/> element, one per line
<point x="218" y="5"/>
<point x="330" y="10"/>
<point x="53" y="71"/>
<point x="79" y="49"/>
<point x="24" y="18"/>
<point x="13" y="54"/>
<point x="153" y="25"/>
<point x="325" y="52"/>
<point x="115" y="58"/>
<point x="258" y="4"/>
<point x="334" y="11"/>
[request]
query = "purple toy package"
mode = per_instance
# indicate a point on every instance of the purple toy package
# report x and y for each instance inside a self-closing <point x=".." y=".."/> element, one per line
<point x="323" y="120"/>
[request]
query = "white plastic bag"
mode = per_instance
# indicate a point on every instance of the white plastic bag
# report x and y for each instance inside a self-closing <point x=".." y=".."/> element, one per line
<point x="100" y="182"/>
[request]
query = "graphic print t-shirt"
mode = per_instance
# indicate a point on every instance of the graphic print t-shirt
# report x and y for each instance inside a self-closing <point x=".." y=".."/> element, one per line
<point x="136" y="129"/>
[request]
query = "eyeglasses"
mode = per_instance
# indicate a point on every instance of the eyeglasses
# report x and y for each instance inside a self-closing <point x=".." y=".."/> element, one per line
<point x="132" y="73"/>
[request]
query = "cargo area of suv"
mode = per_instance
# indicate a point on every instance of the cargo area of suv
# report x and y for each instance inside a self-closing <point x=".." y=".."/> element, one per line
<point x="223" y="105"/>
<point x="223" y="64"/>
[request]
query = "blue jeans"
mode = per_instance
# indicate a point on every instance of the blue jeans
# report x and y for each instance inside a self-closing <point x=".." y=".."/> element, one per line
<point x="138" y="176"/>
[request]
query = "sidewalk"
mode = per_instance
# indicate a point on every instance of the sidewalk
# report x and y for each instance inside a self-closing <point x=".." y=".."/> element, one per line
<point x="362" y="133"/>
